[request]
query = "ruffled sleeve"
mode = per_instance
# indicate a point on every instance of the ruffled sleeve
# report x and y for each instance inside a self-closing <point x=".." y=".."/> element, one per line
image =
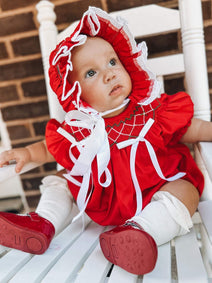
<point x="58" y="145"/>
<point x="174" y="116"/>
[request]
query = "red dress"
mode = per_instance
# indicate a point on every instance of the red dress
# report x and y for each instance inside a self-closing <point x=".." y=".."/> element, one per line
<point x="114" y="204"/>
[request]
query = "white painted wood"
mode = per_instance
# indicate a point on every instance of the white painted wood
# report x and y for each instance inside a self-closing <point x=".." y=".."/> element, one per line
<point x="95" y="268"/>
<point x="166" y="65"/>
<point x="11" y="187"/>
<point x="11" y="263"/>
<point x="5" y="142"/>
<point x="68" y="265"/>
<point x="207" y="192"/>
<point x="120" y="275"/>
<point x="205" y="210"/>
<point x="3" y="250"/>
<point x="39" y="265"/>
<point x="162" y="270"/>
<point x="194" y="56"/>
<point x="141" y="21"/>
<point x="206" y="153"/>
<point x="8" y="172"/>
<point x="190" y="267"/>
<point x="150" y="19"/>
<point x="48" y="38"/>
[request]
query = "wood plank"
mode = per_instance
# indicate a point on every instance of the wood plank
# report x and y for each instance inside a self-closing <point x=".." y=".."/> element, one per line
<point x="3" y="250"/>
<point x="205" y="210"/>
<point x="172" y="64"/>
<point x="190" y="265"/>
<point x="146" y="16"/>
<point x="95" y="268"/>
<point x="39" y="265"/>
<point x="11" y="263"/>
<point x="162" y="270"/>
<point x="167" y="20"/>
<point x="120" y="275"/>
<point x="69" y="264"/>
<point x="205" y="149"/>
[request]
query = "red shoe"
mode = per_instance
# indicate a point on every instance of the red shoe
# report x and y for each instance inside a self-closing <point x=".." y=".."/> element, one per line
<point x="29" y="233"/>
<point x="130" y="247"/>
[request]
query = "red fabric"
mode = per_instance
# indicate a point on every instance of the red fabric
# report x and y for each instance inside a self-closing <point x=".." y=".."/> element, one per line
<point x="115" y="204"/>
<point x="125" y="47"/>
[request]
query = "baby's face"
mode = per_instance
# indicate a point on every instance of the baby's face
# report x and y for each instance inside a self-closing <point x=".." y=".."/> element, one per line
<point x="104" y="81"/>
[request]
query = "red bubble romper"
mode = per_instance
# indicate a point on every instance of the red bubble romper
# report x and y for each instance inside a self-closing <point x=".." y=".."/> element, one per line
<point x="115" y="165"/>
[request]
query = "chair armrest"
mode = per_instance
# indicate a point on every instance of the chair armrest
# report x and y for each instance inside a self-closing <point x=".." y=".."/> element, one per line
<point x="205" y="210"/>
<point x="7" y="172"/>
<point x="205" y="149"/>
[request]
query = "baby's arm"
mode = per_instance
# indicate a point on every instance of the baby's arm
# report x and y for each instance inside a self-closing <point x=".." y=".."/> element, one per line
<point x="36" y="152"/>
<point x="199" y="130"/>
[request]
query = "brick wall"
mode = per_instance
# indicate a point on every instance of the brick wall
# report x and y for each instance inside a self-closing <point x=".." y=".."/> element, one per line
<point x="23" y="98"/>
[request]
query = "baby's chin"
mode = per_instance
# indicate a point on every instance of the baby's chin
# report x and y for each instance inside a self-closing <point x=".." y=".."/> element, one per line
<point x="113" y="112"/>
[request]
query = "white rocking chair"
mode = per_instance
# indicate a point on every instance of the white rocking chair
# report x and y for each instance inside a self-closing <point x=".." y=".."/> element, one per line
<point x="75" y="256"/>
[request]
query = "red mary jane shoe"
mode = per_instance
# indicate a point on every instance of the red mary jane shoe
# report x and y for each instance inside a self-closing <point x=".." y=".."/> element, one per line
<point x="29" y="233"/>
<point x="130" y="247"/>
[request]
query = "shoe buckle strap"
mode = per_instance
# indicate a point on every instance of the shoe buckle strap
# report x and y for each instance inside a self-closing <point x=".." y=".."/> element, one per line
<point x="34" y="216"/>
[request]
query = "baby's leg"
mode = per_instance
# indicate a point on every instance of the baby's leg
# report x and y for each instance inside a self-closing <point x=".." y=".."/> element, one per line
<point x="33" y="232"/>
<point x="56" y="202"/>
<point x="132" y="246"/>
<point x="169" y="213"/>
<point x="185" y="192"/>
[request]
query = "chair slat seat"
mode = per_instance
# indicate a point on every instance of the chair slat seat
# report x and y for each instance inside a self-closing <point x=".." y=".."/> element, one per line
<point x="75" y="256"/>
<point x="39" y="265"/>
<point x="67" y="266"/>
<point x="190" y="267"/>
<point x="162" y="270"/>
<point x="205" y="210"/>
<point x="11" y="263"/>
<point x="95" y="269"/>
<point x="206" y="153"/>
<point x="120" y="275"/>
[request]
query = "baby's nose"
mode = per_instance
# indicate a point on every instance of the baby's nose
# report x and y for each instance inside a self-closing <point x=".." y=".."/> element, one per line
<point x="109" y="75"/>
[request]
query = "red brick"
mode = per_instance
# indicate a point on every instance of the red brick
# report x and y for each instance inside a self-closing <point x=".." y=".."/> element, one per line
<point x="18" y="132"/>
<point x="24" y="111"/>
<point x="210" y="80"/>
<point x="8" y="93"/>
<point x="208" y="34"/>
<point x="209" y="57"/>
<point x="206" y="9"/>
<point x="73" y="11"/>
<point x="50" y="166"/>
<point x="31" y="184"/>
<point x="23" y="144"/>
<point x="26" y="46"/>
<point x="161" y="43"/>
<point x="39" y="128"/>
<point x="33" y="201"/>
<point x="16" y="23"/>
<point x="11" y="5"/>
<point x="115" y="5"/>
<point x="3" y="51"/>
<point x="174" y="85"/>
<point x="34" y="88"/>
<point x="21" y="70"/>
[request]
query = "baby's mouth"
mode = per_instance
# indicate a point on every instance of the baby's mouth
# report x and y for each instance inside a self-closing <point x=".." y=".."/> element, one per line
<point x="116" y="90"/>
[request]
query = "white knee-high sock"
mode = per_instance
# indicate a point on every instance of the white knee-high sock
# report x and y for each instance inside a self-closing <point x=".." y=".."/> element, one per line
<point x="56" y="202"/>
<point x="164" y="218"/>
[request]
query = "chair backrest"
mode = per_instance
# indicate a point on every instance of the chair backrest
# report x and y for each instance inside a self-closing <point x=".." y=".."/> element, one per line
<point x="143" y="21"/>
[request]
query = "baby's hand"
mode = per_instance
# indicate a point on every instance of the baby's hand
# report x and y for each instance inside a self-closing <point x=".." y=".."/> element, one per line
<point x="20" y="155"/>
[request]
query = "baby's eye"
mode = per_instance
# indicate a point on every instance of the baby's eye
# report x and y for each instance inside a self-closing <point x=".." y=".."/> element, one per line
<point x="113" y="62"/>
<point x="90" y="73"/>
